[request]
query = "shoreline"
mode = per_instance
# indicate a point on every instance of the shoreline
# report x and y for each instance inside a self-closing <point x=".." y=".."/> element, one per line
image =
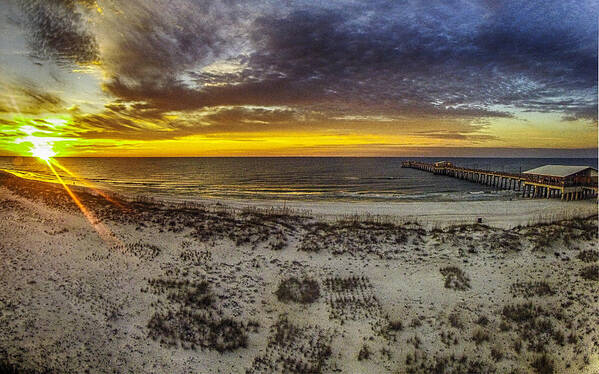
<point x="501" y="213"/>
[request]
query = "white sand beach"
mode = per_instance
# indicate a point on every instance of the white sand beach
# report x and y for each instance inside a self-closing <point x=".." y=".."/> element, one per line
<point x="496" y="213"/>
<point x="148" y="287"/>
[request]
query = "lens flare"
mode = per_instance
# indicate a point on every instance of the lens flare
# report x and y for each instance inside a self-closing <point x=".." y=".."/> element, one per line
<point x="87" y="184"/>
<point x="104" y="233"/>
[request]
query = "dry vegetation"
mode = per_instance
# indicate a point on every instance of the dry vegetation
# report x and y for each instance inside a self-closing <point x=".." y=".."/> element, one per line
<point x="138" y="249"/>
<point x="304" y="291"/>
<point x="588" y="255"/>
<point x="529" y="289"/>
<point x="191" y="318"/>
<point x="354" y="237"/>
<point x="293" y="349"/>
<point x="455" y="278"/>
<point x="590" y="272"/>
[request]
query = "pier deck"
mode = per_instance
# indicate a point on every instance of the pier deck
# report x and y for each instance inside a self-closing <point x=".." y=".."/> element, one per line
<point x="530" y="185"/>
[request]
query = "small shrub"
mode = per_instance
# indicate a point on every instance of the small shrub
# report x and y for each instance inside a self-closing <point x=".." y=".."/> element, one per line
<point x="303" y="291"/>
<point x="480" y="336"/>
<point x="588" y="255"/>
<point x="455" y="278"/>
<point x="416" y="322"/>
<point x="496" y="354"/>
<point x="529" y="289"/>
<point x="518" y="346"/>
<point x="543" y="365"/>
<point x="572" y="338"/>
<point x="521" y="312"/>
<point x="454" y="320"/>
<point x="395" y="325"/>
<point x="590" y="272"/>
<point x="483" y="320"/>
<point x="364" y="353"/>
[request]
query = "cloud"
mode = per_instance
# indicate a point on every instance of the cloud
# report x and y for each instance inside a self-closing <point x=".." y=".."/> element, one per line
<point x="258" y="65"/>
<point x="56" y="29"/>
<point x="587" y="112"/>
<point x="450" y="59"/>
<point x="25" y="97"/>
<point x="151" y="43"/>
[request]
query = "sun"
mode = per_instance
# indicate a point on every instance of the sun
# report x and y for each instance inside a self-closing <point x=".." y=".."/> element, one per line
<point x="42" y="150"/>
<point x="39" y="143"/>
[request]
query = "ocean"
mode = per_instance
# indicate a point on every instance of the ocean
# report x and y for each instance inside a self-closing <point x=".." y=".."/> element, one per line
<point x="279" y="178"/>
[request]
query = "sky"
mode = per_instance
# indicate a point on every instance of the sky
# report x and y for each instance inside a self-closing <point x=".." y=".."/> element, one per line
<point x="298" y="78"/>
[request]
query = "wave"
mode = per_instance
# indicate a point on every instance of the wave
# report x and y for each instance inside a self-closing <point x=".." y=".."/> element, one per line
<point x="272" y="178"/>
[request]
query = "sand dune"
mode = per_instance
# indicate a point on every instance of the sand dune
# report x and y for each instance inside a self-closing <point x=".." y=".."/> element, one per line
<point x="211" y="287"/>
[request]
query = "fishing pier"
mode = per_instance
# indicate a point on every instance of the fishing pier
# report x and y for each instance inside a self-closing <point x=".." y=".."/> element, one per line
<point x="549" y="181"/>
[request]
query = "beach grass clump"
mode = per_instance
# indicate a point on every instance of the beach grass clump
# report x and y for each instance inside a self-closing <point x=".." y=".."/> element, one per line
<point x="588" y="255"/>
<point x="508" y="241"/>
<point x="483" y="320"/>
<point x="13" y="367"/>
<point x="395" y="325"/>
<point x="247" y="228"/>
<point x="524" y="312"/>
<point x="590" y="272"/>
<point x="582" y="228"/>
<point x="364" y="353"/>
<point x="480" y="336"/>
<point x="416" y="322"/>
<point x="193" y="329"/>
<point x="449" y="338"/>
<point x="545" y="235"/>
<point x="447" y="364"/>
<point x="196" y="257"/>
<point x="143" y="251"/>
<point x="496" y="353"/>
<point x="532" y="288"/>
<point x="196" y="294"/>
<point x="455" y="278"/>
<point x="535" y="325"/>
<point x="303" y="291"/>
<point x="543" y="364"/>
<point x="190" y="317"/>
<point x="278" y="241"/>
<point x="354" y="237"/>
<point x="352" y="298"/>
<point x="455" y="321"/>
<point x="294" y="349"/>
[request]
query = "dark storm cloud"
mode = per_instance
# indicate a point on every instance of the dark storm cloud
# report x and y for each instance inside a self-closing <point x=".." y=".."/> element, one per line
<point x="454" y="59"/>
<point x="421" y="59"/>
<point x="155" y="41"/>
<point x="56" y="29"/>
<point x="252" y="116"/>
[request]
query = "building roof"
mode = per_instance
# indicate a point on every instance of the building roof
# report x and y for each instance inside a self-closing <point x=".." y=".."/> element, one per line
<point x="558" y="170"/>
